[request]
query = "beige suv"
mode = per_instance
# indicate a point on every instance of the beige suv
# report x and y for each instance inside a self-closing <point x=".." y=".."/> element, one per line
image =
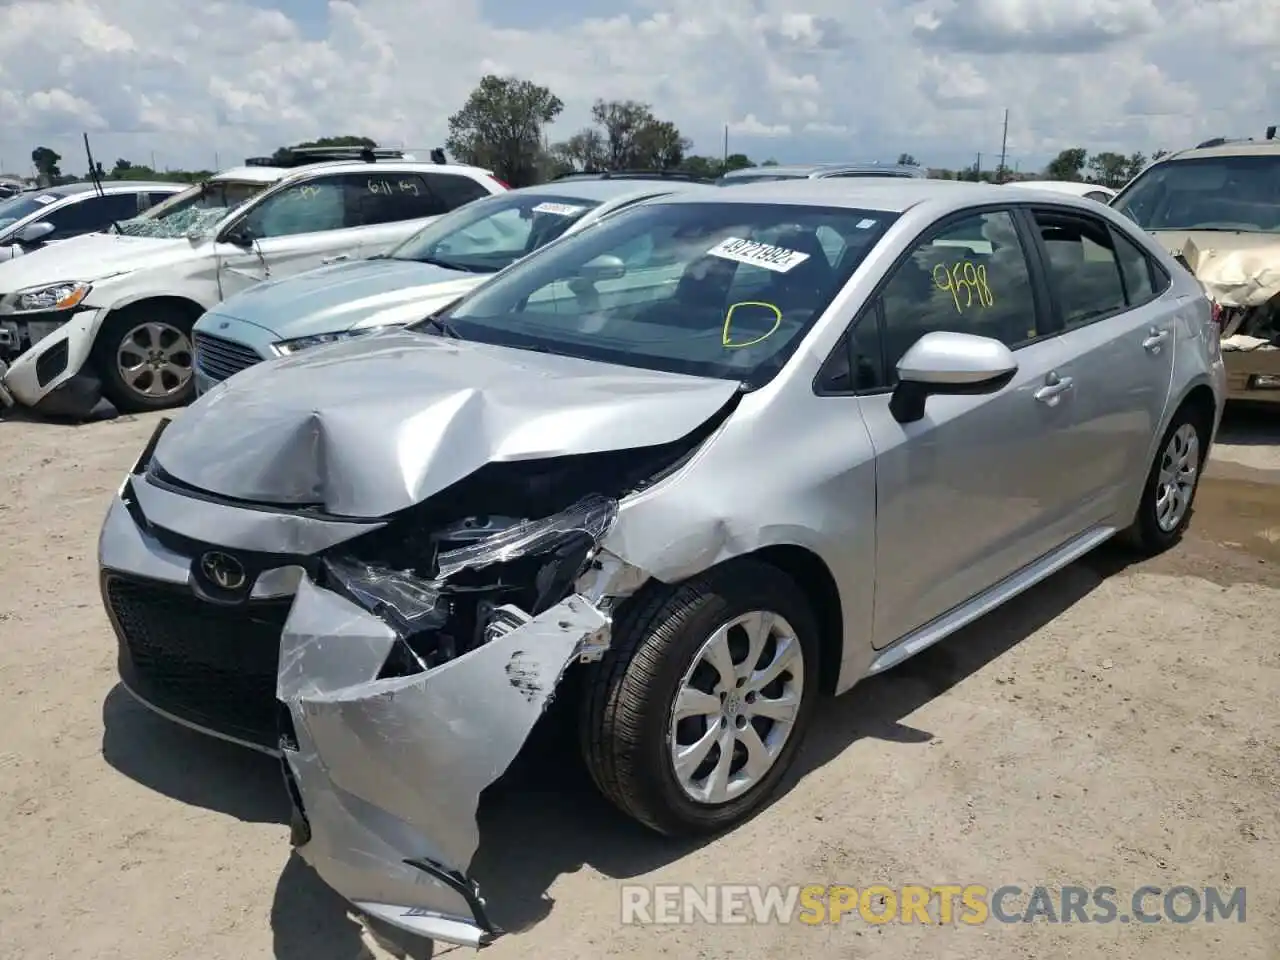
<point x="1217" y="206"/>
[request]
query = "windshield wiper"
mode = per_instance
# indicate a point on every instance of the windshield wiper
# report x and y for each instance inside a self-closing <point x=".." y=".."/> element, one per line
<point x="446" y="264"/>
<point x="444" y="327"/>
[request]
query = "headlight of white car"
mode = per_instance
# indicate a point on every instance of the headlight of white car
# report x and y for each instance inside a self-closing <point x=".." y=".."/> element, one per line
<point x="289" y="347"/>
<point x="53" y="296"/>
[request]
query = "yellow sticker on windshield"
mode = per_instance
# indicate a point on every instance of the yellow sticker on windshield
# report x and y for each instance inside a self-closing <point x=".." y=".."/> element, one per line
<point x="727" y="340"/>
<point x="966" y="282"/>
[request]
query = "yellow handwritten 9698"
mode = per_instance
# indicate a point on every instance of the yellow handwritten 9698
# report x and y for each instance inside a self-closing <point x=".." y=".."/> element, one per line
<point x="966" y="282"/>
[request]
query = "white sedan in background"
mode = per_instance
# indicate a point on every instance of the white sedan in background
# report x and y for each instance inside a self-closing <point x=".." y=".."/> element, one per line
<point x="1077" y="188"/>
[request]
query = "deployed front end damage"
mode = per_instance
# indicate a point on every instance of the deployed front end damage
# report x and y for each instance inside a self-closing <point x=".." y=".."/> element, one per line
<point x="406" y="697"/>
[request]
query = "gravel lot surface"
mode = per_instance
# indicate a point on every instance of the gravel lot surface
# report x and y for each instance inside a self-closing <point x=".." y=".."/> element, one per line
<point x="1118" y="725"/>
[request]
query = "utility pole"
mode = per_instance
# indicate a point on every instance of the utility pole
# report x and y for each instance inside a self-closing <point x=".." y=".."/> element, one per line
<point x="725" y="162"/>
<point x="1004" y="144"/>
<point x="977" y="168"/>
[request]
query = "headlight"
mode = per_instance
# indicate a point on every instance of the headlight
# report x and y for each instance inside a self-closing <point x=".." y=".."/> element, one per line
<point x="55" y="296"/>
<point x="289" y="347"/>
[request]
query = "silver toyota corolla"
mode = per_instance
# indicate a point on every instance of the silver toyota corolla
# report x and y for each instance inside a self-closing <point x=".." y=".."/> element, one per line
<point x="720" y="454"/>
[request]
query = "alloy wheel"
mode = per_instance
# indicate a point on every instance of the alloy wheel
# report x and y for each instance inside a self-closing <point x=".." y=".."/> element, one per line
<point x="736" y="707"/>
<point x="1176" y="479"/>
<point x="155" y="360"/>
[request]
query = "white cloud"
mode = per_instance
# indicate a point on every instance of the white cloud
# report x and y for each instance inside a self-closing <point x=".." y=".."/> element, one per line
<point x="751" y="126"/>
<point x="190" y="78"/>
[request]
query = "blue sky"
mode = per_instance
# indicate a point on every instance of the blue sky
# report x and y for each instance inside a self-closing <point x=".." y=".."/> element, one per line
<point x="797" y="80"/>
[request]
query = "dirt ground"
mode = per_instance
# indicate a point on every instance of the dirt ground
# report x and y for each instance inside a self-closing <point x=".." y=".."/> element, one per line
<point x="1118" y="725"/>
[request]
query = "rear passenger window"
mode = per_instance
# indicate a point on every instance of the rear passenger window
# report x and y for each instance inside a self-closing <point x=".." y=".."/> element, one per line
<point x="453" y="190"/>
<point x="373" y="199"/>
<point x="1084" y="271"/>
<point x="969" y="277"/>
<point x="1135" y="267"/>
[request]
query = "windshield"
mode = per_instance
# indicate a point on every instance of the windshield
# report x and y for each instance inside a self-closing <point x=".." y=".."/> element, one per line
<point x="710" y="289"/>
<point x="22" y="206"/>
<point x="196" y="210"/>
<point x="486" y="235"/>
<point x="1206" y="193"/>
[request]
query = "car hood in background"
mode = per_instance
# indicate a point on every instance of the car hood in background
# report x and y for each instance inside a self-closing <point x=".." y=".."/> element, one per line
<point x="358" y="294"/>
<point x="371" y="426"/>
<point x="1235" y="269"/>
<point x="90" y="257"/>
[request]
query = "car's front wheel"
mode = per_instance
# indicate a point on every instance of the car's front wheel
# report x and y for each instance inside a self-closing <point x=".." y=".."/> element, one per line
<point x="697" y="709"/>
<point x="145" y="359"/>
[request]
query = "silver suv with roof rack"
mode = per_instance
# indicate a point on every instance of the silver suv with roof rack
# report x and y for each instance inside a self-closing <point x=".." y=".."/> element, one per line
<point x="109" y="316"/>
<point x="820" y="171"/>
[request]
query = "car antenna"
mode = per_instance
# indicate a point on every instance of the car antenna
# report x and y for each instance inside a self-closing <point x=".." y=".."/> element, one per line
<point x="93" y="170"/>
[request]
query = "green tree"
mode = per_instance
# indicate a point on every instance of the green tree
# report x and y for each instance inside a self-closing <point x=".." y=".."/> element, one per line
<point x="1109" y="168"/>
<point x="1067" y="165"/>
<point x="1134" y="165"/>
<point x="740" y="161"/>
<point x="500" y="127"/>
<point x="635" y="138"/>
<point x="582" y="151"/>
<point x="907" y="160"/>
<point x="1159" y="155"/>
<point x="46" y="163"/>
<point x="121" y="168"/>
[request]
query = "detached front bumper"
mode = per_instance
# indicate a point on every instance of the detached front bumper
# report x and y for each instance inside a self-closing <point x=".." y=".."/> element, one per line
<point x="51" y="375"/>
<point x="386" y="775"/>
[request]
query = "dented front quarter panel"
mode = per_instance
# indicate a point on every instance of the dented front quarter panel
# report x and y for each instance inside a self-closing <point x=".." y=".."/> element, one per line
<point x="390" y="771"/>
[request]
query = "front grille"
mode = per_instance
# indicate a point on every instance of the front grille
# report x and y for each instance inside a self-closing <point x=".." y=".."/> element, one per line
<point x="218" y="358"/>
<point x="210" y="665"/>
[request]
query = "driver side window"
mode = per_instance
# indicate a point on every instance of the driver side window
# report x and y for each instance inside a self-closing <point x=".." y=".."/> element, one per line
<point x="971" y="276"/>
<point x="308" y="207"/>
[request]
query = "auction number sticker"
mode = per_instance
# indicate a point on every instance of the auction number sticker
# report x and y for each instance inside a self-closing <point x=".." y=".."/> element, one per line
<point x="558" y="209"/>
<point x="44" y="198"/>
<point x="756" y="254"/>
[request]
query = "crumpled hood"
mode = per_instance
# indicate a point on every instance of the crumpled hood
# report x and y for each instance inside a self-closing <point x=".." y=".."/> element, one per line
<point x="90" y="257"/>
<point x="373" y="425"/>
<point x="339" y="297"/>
<point x="1235" y="269"/>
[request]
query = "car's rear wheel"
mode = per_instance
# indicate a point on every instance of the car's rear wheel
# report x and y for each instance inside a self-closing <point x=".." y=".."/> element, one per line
<point x="145" y="359"/>
<point x="697" y="709"/>
<point x="1170" y="491"/>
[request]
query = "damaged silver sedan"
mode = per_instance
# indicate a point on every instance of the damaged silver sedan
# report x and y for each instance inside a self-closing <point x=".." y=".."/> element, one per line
<point x="715" y="456"/>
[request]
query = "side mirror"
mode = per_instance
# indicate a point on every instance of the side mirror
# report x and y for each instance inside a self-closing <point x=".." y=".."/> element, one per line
<point x="240" y="237"/>
<point x="34" y="232"/>
<point x="605" y="267"/>
<point x="949" y="363"/>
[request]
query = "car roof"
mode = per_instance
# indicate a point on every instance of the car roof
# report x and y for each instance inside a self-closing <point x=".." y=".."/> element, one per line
<point x="799" y="170"/>
<point x="1076" y="188"/>
<point x="1227" y="148"/>
<point x="605" y="190"/>
<point x="121" y="186"/>
<point x="885" y="194"/>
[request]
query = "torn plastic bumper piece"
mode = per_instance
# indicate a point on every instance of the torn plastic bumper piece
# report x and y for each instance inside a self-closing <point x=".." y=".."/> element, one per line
<point x="386" y="774"/>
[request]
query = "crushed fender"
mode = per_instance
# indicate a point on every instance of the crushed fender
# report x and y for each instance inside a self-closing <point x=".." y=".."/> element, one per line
<point x="396" y="718"/>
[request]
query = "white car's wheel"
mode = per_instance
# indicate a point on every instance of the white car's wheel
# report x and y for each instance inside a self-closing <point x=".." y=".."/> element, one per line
<point x="145" y="358"/>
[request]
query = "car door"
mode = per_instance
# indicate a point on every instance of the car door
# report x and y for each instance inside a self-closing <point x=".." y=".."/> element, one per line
<point x="303" y="225"/>
<point x="1118" y="338"/>
<point x="972" y="492"/>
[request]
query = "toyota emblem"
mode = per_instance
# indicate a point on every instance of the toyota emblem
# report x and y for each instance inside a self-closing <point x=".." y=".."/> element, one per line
<point x="223" y="570"/>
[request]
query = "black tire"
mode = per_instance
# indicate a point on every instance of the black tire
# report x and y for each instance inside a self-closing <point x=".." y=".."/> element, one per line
<point x="1145" y="535"/>
<point x="629" y="693"/>
<point x="111" y="337"/>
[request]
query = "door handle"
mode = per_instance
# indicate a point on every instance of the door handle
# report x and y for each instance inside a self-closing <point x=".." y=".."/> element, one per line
<point x="335" y="259"/>
<point x="1054" y="387"/>
<point x="1155" y="340"/>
